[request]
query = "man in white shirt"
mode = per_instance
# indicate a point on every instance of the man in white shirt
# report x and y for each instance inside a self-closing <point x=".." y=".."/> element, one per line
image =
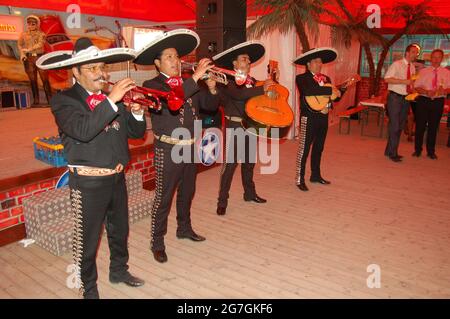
<point x="400" y="83"/>
<point x="433" y="86"/>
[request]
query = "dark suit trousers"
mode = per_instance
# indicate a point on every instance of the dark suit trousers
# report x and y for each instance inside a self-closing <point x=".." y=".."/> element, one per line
<point x="397" y="109"/>
<point x="428" y="114"/>
<point x="171" y="176"/>
<point x="98" y="201"/>
<point x="229" y="166"/>
<point x="313" y="131"/>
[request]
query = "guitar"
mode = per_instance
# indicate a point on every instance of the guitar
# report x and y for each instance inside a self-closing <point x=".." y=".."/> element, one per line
<point x="318" y="103"/>
<point x="270" y="109"/>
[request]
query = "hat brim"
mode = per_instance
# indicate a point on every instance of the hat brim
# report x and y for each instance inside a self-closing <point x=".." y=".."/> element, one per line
<point x="327" y="55"/>
<point x="33" y="17"/>
<point x="254" y="49"/>
<point x="60" y="60"/>
<point x="183" y="40"/>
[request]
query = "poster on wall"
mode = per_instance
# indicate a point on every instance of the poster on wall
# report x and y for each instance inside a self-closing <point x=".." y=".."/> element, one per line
<point x="60" y="31"/>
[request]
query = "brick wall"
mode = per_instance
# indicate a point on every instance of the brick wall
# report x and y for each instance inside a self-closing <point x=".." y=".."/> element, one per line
<point x="11" y="209"/>
<point x="362" y="91"/>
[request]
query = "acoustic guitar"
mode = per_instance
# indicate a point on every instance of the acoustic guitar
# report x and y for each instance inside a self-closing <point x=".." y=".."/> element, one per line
<point x="270" y="110"/>
<point x="318" y="103"/>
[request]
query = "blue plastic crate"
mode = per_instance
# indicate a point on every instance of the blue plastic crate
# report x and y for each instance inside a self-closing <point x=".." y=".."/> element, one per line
<point x="49" y="150"/>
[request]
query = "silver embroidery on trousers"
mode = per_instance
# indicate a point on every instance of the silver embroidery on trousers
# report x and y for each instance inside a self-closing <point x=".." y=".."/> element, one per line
<point x="159" y="166"/>
<point x="301" y="149"/>
<point x="77" y="243"/>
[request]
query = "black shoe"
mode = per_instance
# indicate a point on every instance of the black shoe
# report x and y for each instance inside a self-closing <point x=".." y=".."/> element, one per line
<point x="302" y="187"/>
<point x="416" y="154"/>
<point x="400" y="156"/>
<point x="319" y="180"/>
<point x="192" y="236"/>
<point x="128" y="279"/>
<point x="91" y="294"/>
<point x="221" y="211"/>
<point x="395" y="159"/>
<point x="432" y="156"/>
<point x="160" y="256"/>
<point x="256" y="199"/>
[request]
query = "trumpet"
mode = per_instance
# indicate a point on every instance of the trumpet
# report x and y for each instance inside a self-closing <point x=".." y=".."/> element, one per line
<point x="151" y="99"/>
<point x="217" y="74"/>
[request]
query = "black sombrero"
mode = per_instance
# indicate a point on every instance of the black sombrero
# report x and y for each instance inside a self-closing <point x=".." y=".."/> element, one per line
<point x="183" y="40"/>
<point x="325" y="54"/>
<point x="84" y="52"/>
<point x="254" y="49"/>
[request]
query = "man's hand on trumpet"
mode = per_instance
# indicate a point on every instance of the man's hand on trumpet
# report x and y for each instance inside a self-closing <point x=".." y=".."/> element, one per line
<point x="204" y="65"/>
<point x="120" y="88"/>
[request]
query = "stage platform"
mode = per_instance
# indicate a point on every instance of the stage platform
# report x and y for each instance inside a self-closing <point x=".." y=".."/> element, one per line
<point x="324" y="243"/>
<point x="17" y="130"/>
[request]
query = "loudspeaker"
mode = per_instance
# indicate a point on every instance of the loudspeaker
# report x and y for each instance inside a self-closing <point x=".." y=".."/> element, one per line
<point x="8" y="99"/>
<point x="221" y="24"/>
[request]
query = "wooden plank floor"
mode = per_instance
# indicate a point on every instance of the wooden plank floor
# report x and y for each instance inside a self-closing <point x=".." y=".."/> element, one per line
<point x="299" y="245"/>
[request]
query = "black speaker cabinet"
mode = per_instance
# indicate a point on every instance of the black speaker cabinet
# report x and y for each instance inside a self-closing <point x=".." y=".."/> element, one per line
<point x="221" y="24"/>
<point x="8" y="99"/>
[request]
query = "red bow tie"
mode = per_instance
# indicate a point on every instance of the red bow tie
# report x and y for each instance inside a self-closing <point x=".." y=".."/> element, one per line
<point x="249" y="81"/>
<point x="319" y="77"/>
<point x="94" y="100"/>
<point x="174" y="81"/>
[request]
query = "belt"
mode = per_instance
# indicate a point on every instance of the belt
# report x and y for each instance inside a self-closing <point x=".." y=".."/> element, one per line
<point x="434" y="98"/>
<point x="96" y="171"/>
<point x="234" y="118"/>
<point x="398" y="94"/>
<point x="174" y="141"/>
<point x="33" y="54"/>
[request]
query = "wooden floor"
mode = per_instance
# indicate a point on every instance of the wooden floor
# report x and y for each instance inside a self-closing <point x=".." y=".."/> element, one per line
<point x="299" y="245"/>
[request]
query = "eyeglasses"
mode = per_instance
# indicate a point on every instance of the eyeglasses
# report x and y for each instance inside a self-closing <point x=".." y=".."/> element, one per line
<point x="96" y="68"/>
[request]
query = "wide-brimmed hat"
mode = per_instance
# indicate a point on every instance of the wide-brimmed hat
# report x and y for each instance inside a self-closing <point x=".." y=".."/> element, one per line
<point x="183" y="40"/>
<point x="254" y="49"/>
<point x="325" y="54"/>
<point x="33" y="17"/>
<point x="84" y="52"/>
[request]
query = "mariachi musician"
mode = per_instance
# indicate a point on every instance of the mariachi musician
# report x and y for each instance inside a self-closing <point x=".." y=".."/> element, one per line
<point x="172" y="174"/>
<point x="313" y="124"/>
<point x="95" y="128"/>
<point x="234" y="97"/>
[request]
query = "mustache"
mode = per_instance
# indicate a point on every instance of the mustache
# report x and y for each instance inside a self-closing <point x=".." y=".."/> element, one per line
<point x="100" y="78"/>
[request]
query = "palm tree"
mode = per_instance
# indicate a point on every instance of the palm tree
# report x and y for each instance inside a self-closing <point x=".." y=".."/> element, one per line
<point x="282" y="15"/>
<point x="307" y="14"/>
<point x="413" y="18"/>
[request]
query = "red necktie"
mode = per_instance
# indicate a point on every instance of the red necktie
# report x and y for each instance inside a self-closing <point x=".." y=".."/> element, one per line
<point x="94" y="100"/>
<point x="408" y="76"/>
<point x="174" y="81"/>
<point x="435" y="80"/>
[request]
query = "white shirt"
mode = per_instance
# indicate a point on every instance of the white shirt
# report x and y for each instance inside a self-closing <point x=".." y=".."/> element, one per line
<point x="398" y="70"/>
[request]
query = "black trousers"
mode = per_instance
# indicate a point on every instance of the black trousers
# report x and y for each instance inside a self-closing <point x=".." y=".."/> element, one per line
<point x="428" y="116"/>
<point x="32" y="70"/>
<point x="98" y="201"/>
<point x="231" y="160"/>
<point x="171" y="176"/>
<point x="313" y="131"/>
<point x="397" y="109"/>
